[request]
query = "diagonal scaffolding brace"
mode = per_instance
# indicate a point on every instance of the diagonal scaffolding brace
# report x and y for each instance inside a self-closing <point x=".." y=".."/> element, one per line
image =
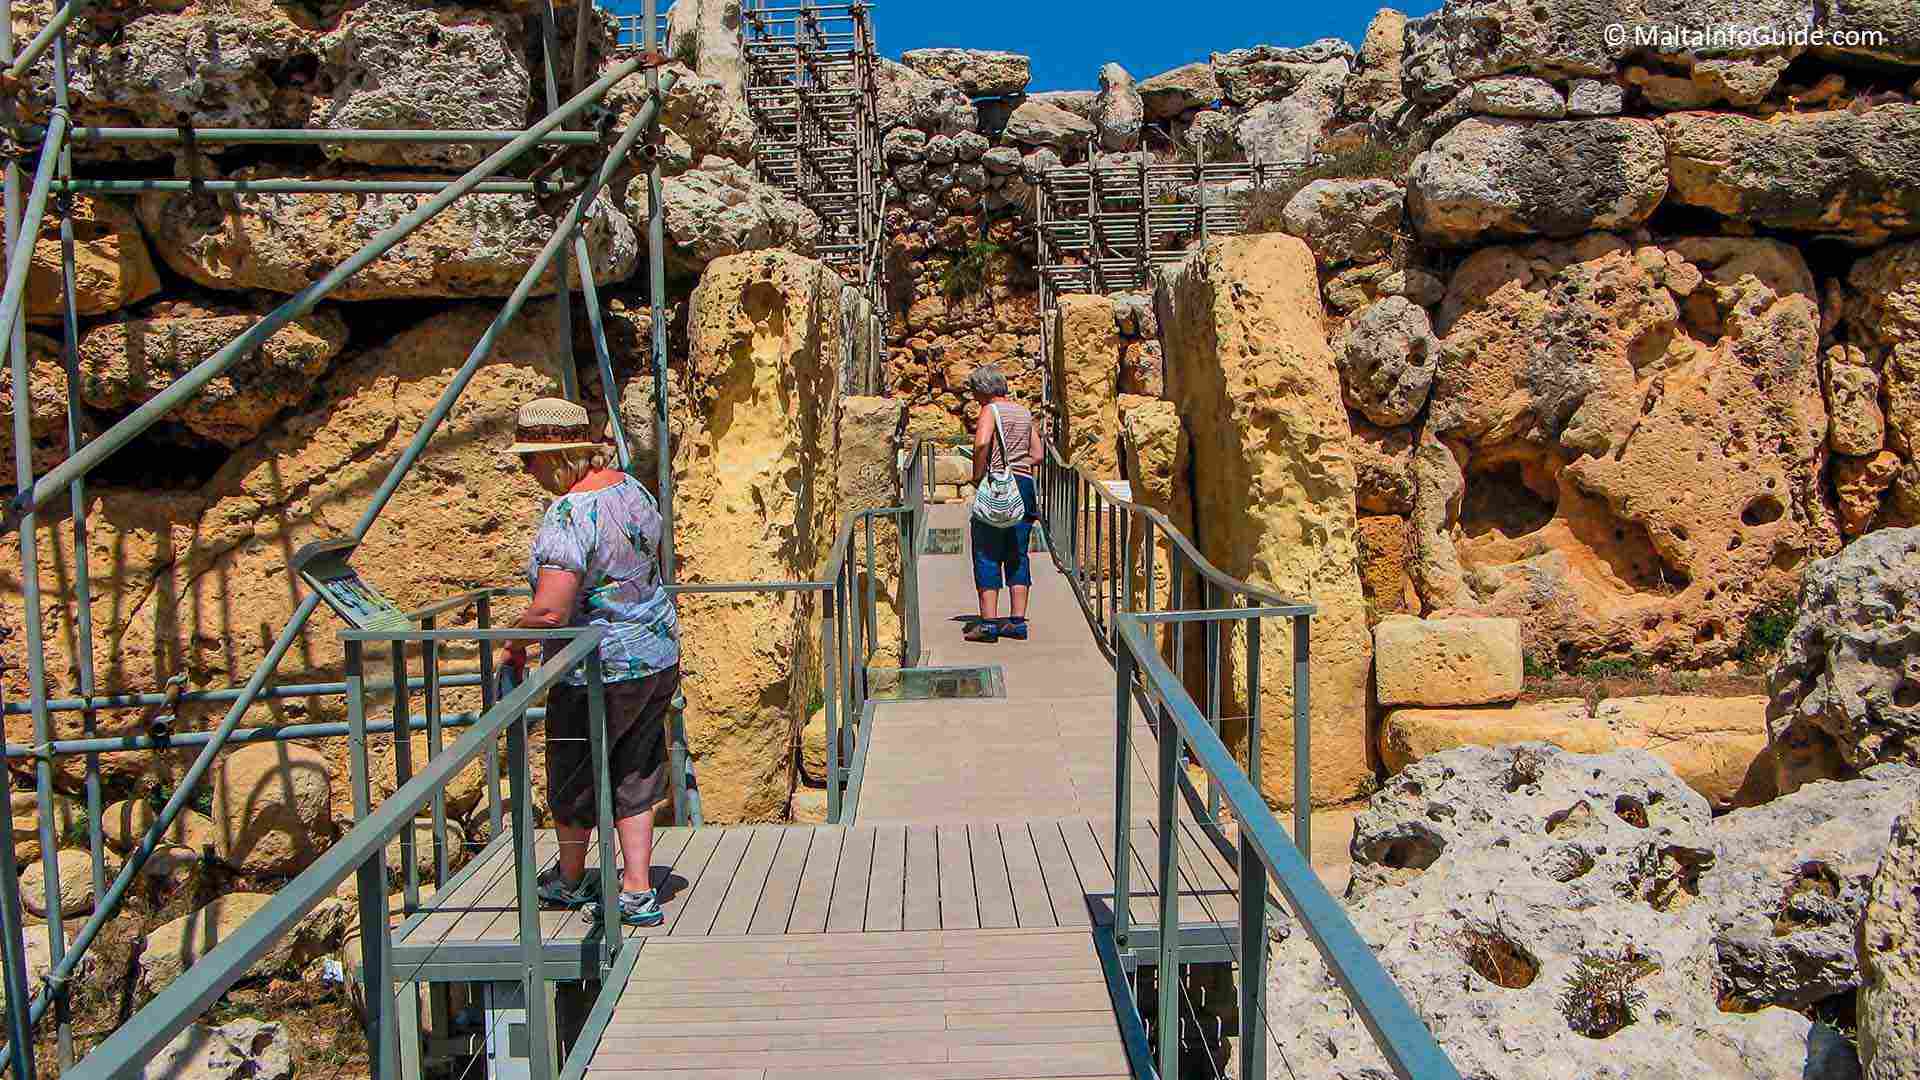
<point x="53" y="173"/>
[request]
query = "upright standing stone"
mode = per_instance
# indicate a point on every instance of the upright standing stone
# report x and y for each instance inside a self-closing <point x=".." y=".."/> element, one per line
<point x="1086" y="381"/>
<point x="1118" y="110"/>
<point x="755" y="499"/>
<point x="1250" y="369"/>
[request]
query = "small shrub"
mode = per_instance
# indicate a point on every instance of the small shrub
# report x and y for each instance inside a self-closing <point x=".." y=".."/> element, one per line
<point x="1536" y="668"/>
<point x="1610" y="669"/>
<point x="1362" y="161"/>
<point x="79" y="831"/>
<point x="1599" y="996"/>
<point x="1524" y="767"/>
<point x="968" y="273"/>
<point x="1766" y="631"/>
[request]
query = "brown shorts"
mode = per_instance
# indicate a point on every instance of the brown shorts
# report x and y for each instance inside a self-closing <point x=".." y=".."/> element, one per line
<point x="636" y="748"/>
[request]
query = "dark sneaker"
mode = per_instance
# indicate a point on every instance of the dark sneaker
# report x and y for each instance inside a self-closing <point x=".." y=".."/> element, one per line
<point x="984" y="632"/>
<point x="557" y="892"/>
<point x="1015" y="629"/>
<point x="641" y="908"/>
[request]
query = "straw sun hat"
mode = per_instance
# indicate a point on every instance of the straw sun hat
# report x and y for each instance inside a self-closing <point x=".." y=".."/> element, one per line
<point x="552" y="424"/>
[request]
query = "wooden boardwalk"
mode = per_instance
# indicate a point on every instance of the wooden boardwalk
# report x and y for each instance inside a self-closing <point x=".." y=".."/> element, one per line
<point x="901" y="1004"/>
<point x="948" y="930"/>
<point x="1045" y="750"/>
<point x="774" y="881"/>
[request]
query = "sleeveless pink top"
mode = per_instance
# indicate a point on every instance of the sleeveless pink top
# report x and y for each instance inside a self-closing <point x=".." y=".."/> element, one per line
<point x="1016" y="435"/>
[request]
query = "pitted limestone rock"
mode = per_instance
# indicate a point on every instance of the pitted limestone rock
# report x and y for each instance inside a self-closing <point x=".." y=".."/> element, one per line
<point x="1485" y="878"/>
<point x="1846" y="690"/>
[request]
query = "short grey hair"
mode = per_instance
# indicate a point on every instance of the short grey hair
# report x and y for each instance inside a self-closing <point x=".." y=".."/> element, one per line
<point x="987" y="382"/>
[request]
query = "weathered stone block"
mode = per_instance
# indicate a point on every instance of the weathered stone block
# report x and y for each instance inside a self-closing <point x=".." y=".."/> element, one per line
<point x="1446" y="661"/>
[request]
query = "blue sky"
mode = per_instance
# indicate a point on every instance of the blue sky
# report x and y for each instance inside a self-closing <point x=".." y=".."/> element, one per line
<point x="1069" y="39"/>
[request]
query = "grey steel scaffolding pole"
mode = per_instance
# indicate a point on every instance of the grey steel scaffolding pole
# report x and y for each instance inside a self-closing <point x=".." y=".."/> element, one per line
<point x="195" y="772"/>
<point x="192" y="381"/>
<point x="21" y="235"/>
<point x="83" y="581"/>
<point x="657" y="299"/>
<point x="563" y="313"/>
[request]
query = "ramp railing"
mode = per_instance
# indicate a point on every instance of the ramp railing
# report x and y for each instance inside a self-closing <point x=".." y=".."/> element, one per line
<point x="362" y="851"/>
<point x="1111" y="550"/>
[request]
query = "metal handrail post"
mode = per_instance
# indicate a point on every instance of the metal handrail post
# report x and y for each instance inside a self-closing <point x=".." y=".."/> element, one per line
<point x="1252" y="877"/>
<point x="657" y="299"/>
<point x="677" y="757"/>
<point x="13" y="950"/>
<point x="483" y="618"/>
<point x="430" y="669"/>
<point x="1122" y="793"/>
<point x="872" y="609"/>
<point x="857" y="652"/>
<point x="611" y="937"/>
<point x="26" y="231"/>
<point x="1212" y="646"/>
<point x="1302" y="739"/>
<point x="402" y="772"/>
<point x="70" y="361"/>
<point x="375" y="977"/>
<point x="1168" y="971"/>
<point x="830" y="694"/>
<point x="527" y="902"/>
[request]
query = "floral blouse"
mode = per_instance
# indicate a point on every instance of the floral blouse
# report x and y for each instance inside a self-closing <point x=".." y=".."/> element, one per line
<point x="610" y="537"/>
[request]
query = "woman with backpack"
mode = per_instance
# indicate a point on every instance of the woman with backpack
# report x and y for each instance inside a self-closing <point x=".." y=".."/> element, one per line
<point x="1005" y="450"/>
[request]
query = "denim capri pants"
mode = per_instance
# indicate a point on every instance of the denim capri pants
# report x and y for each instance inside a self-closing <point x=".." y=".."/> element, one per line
<point x="1000" y="555"/>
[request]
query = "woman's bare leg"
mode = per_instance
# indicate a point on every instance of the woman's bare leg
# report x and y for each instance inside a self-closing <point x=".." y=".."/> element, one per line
<point x="1019" y="602"/>
<point x="989" y="604"/>
<point x="636" y="851"/>
<point x="573" y="851"/>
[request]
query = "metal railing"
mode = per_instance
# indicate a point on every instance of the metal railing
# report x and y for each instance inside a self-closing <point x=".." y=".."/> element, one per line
<point x="362" y="851"/>
<point x="1108" y="547"/>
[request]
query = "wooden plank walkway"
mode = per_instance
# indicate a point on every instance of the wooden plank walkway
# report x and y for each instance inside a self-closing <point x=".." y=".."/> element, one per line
<point x="948" y="931"/>
<point x="1044" y="751"/>
<point x="898" y="1005"/>
<point x="775" y="881"/>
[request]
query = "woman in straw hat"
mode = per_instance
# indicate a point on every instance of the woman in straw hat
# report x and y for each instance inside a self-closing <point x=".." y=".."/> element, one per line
<point x="596" y="563"/>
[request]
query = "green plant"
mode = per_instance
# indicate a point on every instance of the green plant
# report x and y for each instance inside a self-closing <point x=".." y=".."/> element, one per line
<point x="1599" y="996"/>
<point x="1535" y="668"/>
<point x="79" y="831"/>
<point x="1611" y="668"/>
<point x="967" y="274"/>
<point x="1361" y="161"/>
<point x="1767" y="629"/>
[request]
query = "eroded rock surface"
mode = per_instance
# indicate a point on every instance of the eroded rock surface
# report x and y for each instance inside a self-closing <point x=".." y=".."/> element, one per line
<point x="1846" y="691"/>
<point x="755" y="500"/>
<point x="1789" y="882"/>
<point x="721" y="208"/>
<point x="1718" y="746"/>
<point x="1485" y="878"/>
<point x="979" y="72"/>
<point x="1583" y="479"/>
<point x="1889" y="955"/>
<point x="479" y="246"/>
<point x="127" y="361"/>
<point x="1853" y="175"/>
<point x="112" y="267"/>
<point x="1490" y="179"/>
